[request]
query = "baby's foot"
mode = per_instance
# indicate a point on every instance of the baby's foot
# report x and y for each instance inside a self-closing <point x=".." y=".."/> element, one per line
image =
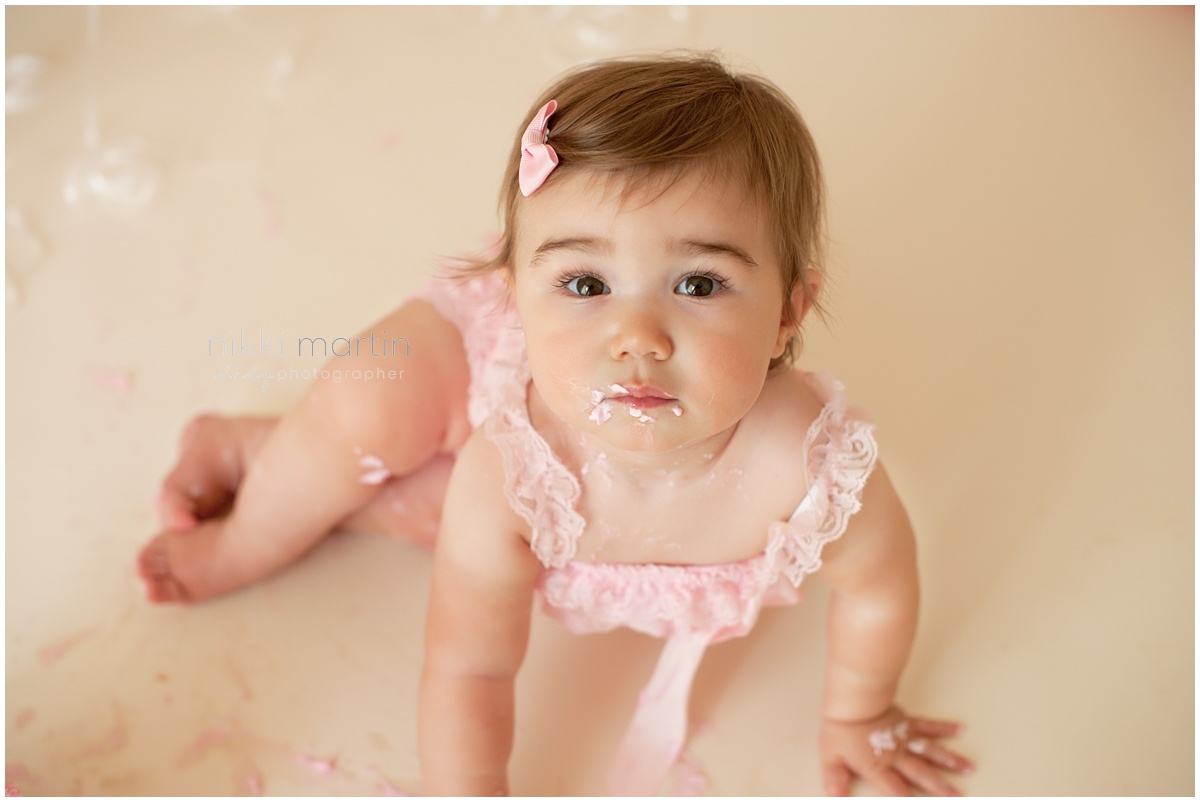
<point x="185" y="567"/>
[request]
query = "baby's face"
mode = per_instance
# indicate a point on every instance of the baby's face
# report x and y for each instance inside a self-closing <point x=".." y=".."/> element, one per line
<point x="650" y="319"/>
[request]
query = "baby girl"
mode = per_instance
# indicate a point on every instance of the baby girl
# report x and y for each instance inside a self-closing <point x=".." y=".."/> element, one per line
<point x="604" y="414"/>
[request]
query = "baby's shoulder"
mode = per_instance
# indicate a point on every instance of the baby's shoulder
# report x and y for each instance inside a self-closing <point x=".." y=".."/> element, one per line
<point x="481" y="478"/>
<point x="775" y="431"/>
<point x="788" y="406"/>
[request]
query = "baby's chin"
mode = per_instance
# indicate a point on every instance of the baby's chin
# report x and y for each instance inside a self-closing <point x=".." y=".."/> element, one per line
<point x="659" y="433"/>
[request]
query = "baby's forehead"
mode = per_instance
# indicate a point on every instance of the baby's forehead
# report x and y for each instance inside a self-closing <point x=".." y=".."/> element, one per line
<point x="645" y="185"/>
<point x="689" y="210"/>
<point x="630" y="190"/>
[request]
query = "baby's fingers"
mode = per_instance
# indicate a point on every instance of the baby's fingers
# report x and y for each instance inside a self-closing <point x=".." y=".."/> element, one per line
<point x="940" y="756"/>
<point x="924" y="776"/>
<point x="933" y="728"/>
<point x="836" y="779"/>
<point x="888" y="781"/>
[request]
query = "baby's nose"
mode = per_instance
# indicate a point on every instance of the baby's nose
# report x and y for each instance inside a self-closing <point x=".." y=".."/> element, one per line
<point x="641" y="331"/>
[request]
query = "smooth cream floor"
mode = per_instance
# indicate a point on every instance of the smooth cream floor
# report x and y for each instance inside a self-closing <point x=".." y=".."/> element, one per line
<point x="1012" y="258"/>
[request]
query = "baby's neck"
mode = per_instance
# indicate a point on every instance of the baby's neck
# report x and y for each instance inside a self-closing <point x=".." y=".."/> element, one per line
<point x="678" y="466"/>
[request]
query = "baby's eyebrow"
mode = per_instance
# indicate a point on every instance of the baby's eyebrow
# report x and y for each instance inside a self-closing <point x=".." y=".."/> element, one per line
<point x="591" y="245"/>
<point x="694" y="247"/>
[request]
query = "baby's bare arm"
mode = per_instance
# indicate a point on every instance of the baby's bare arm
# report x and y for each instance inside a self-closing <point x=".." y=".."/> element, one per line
<point x="476" y="633"/>
<point x="872" y="570"/>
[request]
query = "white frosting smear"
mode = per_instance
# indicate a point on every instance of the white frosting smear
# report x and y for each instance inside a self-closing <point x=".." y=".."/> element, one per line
<point x="377" y="473"/>
<point x="642" y="417"/>
<point x="600" y="414"/>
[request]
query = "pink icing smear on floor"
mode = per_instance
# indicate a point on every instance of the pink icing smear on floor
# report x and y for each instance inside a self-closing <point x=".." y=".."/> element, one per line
<point x="240" y="679"/>
<point x="17" y="771"/>
<point x="110" y="744"/>
<point x="54" y="652"/>
<point x="24" y="719"/>
<point x="119" y="381"/>
<point x="253" y="782"/>
<point x="198" y="748"/>
<point x="323" y="766"/>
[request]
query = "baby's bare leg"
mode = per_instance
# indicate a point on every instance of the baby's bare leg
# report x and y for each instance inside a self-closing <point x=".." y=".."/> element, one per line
<point x="408" y="507"/>
<point x="325" y="460"/>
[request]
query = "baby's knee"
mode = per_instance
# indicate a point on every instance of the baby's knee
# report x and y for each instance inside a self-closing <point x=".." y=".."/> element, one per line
<point x="357" y="406"/>
<point x="406" y="405"/>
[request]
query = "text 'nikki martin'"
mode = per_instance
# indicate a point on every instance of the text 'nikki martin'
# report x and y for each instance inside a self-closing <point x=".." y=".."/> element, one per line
<point x="370" y="345"/>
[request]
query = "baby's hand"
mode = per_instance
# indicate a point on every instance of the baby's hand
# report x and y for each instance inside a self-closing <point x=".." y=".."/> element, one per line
<point x="893" y="752"/>
<point x="214" y="453"/>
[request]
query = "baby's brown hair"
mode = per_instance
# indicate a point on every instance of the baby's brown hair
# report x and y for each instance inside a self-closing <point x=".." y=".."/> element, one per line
<point x="657" y="117"/>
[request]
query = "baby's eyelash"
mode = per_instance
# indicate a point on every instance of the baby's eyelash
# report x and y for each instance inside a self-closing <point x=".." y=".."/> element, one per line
<point x="717" y="277"/>
<point x="720" y="283"/>
<point x="570" y="284"/>
<point x="567" y="278"/>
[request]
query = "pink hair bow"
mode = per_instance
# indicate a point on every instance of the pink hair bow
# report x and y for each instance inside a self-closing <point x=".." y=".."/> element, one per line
<point x="538" y="159"/>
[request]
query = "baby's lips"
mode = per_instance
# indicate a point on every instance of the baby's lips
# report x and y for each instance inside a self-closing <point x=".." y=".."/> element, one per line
<point x="640" y="391"/>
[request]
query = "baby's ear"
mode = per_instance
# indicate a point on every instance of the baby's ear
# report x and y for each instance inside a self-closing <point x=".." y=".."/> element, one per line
<point x="798" y="305"/>
<point x="803" y="299"/>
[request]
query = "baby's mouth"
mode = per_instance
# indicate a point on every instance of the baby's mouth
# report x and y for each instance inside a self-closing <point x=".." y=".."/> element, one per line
<point x="636" y="399"/>
<point x="640" y="396"/>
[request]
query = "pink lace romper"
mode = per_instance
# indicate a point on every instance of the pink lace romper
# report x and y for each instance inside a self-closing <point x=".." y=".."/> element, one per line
<point x="690" y="606"/>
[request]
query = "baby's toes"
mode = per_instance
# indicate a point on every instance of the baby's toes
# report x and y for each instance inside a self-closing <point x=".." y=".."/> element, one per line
<point x="154" y="570"/>
<point x="175" y="509"/>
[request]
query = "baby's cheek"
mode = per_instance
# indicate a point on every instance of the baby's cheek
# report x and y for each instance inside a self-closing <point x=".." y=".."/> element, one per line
<point x="735" y="375"/>
<point x="558" y="379"/>
<point x="734" y="351"/>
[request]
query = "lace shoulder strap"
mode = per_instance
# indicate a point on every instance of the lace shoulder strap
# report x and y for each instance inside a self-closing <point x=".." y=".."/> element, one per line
<point x="839" y="453"/>
<point x="538" y="486"/>
<point x="536" y="483"/>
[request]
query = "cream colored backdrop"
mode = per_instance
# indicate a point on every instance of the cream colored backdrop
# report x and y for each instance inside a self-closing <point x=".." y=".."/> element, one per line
<point x="1012" y="222"/>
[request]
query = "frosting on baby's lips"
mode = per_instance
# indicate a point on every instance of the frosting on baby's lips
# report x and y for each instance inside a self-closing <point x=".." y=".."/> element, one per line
<point x="600" y="413"/>
<point x="637" y="400"/>
<point x="640" y="396"/>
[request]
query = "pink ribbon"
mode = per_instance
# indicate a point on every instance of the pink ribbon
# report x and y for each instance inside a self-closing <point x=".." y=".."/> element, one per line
<point x="656" y="737"/>
<point x="538" y="159"/>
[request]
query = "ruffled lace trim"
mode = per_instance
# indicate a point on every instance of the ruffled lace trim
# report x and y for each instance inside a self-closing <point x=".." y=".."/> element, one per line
<point x="536" y="484"/>
<point x="538" y="487"/>
<point x="658" y="600"/>
<point x="840" y="453"/>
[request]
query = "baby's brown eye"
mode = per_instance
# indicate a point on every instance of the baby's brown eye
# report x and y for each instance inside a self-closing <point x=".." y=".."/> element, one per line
<point x="699" y="286"/>
<point x="586" y="286"/>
